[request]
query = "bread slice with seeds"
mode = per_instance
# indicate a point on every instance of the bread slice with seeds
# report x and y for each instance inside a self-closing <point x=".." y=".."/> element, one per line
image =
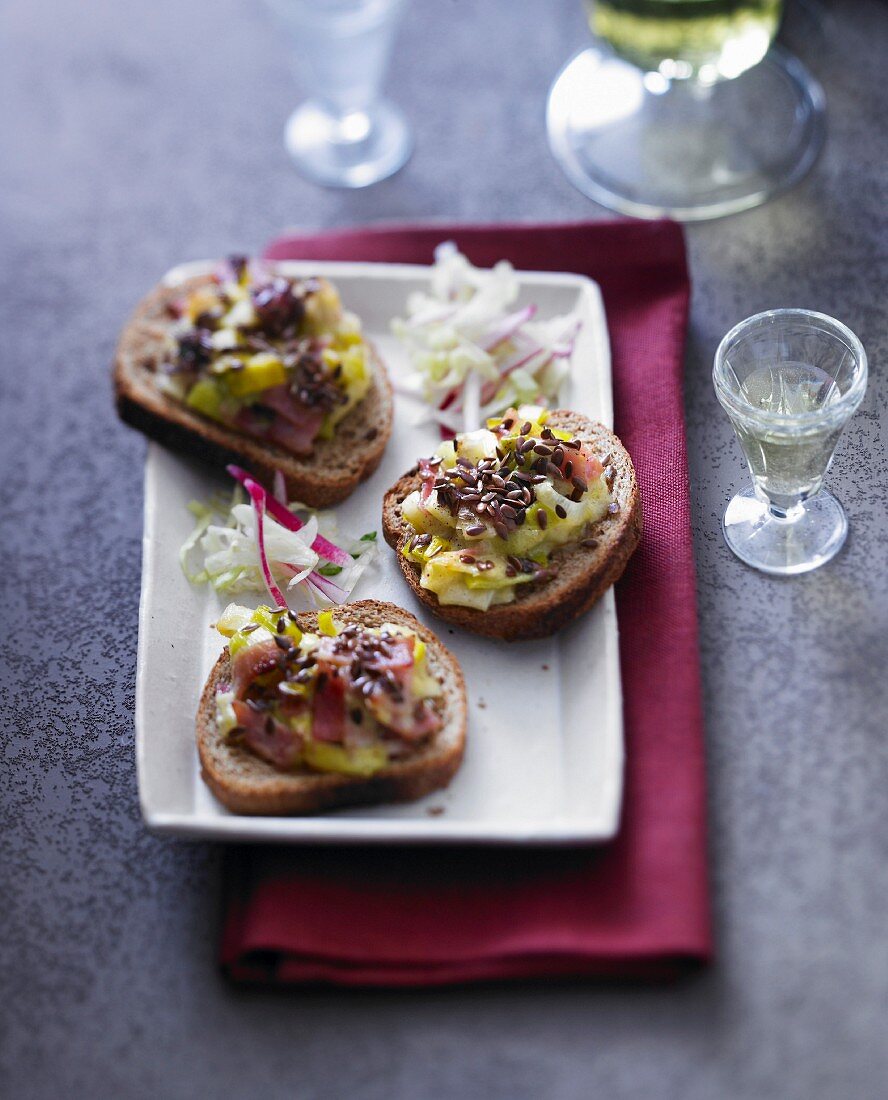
<point x="247" y="784"/>
<point x="583" y="570"/>
<point x="328" y="475"/>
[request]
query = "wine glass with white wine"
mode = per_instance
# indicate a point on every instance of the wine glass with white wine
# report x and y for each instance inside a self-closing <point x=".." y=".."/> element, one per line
<point x="684" y="108"/>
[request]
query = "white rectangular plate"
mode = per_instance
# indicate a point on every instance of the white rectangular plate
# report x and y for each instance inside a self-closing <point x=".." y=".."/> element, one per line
<point x="544" y="760"/>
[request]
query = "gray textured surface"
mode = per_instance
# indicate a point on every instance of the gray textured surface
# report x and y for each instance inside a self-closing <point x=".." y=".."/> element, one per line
<point x="137" y="135"/>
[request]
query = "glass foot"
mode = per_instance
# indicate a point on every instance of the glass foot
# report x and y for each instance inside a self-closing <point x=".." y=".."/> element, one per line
<point x="785" y="546"/>
<point x="348" y="150"/>
<point x="651" y="147"/>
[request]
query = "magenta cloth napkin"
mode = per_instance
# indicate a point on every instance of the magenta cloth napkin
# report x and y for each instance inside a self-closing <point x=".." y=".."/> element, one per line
<point x="637" y="907"/>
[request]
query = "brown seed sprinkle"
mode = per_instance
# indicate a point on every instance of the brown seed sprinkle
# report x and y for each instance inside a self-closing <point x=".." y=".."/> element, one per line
<point x="568" y="470"/>
<point x="467" y="559"/>
<point x="590" y="543"/>
<point x="542" y="520"/>
<point x="514" y="562"/>
<point x="476" y="529"/>
<point x="522" y="516"/>
<point x="576" y="496"/>
<point x="525" y="428"/>
<point x="281" y="626"/>
<point x="560" y="511"/>
<point x="579" y="483"/>
<point x="507" y="512"/>
<point x="500" y="528"/>
<point x="510" y="571"/>
<point x="558" y="455"/>
<point x="249" y="628"/>
<point x="542" y="449"/>
<point x="283" y="642"/>
<point x="553" y="471"/>
<point x="547" y="433"/>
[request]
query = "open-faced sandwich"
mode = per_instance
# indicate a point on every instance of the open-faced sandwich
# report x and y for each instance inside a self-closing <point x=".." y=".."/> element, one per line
<point x="302" y="713"/>
<point x="249" y="365"/>
<point x="514" y="530"/>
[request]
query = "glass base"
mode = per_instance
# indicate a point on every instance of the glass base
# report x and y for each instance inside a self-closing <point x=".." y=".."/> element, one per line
<point x="650" y="147"/>
<point x="785" y="546"/>
<point x="348" y="150"/>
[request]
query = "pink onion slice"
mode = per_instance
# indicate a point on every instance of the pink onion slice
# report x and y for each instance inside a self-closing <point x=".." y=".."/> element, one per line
<point x="325" y="549"/>
<point x="258" y="497"/>
<point x="507" y="327"/>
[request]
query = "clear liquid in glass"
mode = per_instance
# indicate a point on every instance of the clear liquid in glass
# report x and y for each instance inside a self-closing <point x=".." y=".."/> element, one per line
<point x="788" y="462"/>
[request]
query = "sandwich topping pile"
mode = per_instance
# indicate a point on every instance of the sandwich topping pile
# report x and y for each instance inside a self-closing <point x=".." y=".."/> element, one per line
<point x="495" y="503"/>
<point x="347" y="700"/>
<point x="274" y="357"/>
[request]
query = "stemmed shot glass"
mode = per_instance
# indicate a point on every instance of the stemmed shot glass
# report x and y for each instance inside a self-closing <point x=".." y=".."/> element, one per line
<point x="344" y="134"/>
<point x="789" y="380"/>
<point x="682" y="108"/>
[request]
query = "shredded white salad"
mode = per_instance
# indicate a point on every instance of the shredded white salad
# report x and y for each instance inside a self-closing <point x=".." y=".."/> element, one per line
<point x="474" y="354"/>
<point x="270" y="545"/>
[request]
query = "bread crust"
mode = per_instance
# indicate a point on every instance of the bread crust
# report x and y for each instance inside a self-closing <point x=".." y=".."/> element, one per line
<point x="584" y="574"/>
<point x="247" y="784"/>
<point x="330" y="474"/>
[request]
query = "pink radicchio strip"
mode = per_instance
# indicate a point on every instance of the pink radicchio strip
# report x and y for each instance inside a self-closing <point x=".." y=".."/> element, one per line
<point x="325" y="549"/>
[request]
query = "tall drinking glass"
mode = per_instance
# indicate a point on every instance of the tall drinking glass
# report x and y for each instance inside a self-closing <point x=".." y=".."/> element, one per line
<point x="682" y="108"/>
<point x="344" y="134"/>
<point x="789" y="380"/>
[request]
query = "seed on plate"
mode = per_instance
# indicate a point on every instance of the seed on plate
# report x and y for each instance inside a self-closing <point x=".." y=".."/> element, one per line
<point x="542" y="449"/>
<point x="501" y="528"/>
<point x="476" y="529"/>
<point x="579" y="483"/>
<point x="283" y="642"/>
<point x="542" y="520"/>
<point x="510" y="571"/>
<point x="590" y="543"/>
<point x="525" y="427"/>
<point x="560" y="511"/>
<point x="249" y="628"/>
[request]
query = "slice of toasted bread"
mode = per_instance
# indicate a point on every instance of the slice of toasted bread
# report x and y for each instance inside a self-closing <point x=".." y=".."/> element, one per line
<point x="335" y="467"/>
<point x="247" y="784"/>
<point x="584" y="573"/>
